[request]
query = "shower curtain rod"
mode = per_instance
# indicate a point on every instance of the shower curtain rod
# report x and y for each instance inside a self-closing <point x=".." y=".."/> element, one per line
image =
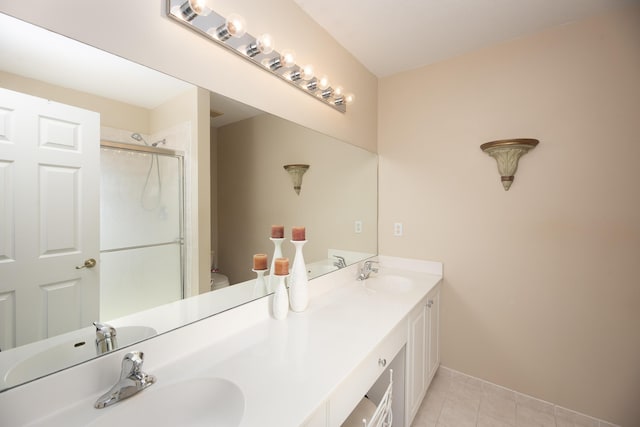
<point x="144" y="148"/>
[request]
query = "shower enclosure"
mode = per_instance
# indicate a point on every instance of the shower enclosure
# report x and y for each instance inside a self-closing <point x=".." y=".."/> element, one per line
<point x="141" y="228"/>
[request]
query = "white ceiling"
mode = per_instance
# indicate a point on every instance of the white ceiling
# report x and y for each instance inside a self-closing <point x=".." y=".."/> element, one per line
<point x="390" y="36"/>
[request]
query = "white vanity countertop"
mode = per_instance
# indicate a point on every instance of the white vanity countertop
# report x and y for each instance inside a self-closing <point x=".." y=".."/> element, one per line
<point x="287" y="368"/>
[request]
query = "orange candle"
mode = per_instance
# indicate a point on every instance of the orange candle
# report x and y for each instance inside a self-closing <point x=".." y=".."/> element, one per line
<point x="282" y="266"/>
<point x="260" y="262"/>
<point x="277" y="231"/>
<point x="298" y="233"/>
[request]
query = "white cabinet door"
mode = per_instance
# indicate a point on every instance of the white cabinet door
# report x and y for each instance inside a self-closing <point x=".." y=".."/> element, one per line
<point x="49" y="213"/>
<point x="417" y="354"/>
<point x="423" y="350"/>
<point x="433" y="315"/>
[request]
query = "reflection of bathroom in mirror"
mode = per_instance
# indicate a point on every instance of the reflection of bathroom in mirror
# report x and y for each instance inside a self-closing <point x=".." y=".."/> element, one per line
<point x="152" y="131"/>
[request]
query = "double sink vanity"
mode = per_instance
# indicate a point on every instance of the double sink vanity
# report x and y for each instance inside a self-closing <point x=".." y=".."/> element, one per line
<point x="244" y="368"/>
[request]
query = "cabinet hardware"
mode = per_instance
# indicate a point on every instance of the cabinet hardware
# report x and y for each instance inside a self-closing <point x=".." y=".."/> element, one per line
<point x="429" y="303"/>
<point x="382" y="362"/>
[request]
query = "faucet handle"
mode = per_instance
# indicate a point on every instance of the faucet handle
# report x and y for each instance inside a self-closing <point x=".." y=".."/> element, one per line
<point x="104" y="330"/>
<point x="369" y="264"/>
<point x="341" y="263"/>
<point x="105" y="337"/>
<point x="132" y="364"/>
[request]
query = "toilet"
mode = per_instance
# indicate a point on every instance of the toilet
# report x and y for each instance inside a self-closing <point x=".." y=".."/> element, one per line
<point x="218" y="281"/>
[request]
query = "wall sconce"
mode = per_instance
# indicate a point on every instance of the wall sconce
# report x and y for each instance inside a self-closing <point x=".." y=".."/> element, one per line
<point x="507" y="152"/>
<point x="230" y="32"/>
<point x="296" y="172"/>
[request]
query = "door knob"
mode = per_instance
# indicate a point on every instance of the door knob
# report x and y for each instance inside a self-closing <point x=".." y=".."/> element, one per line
<point x="88" y="263"/>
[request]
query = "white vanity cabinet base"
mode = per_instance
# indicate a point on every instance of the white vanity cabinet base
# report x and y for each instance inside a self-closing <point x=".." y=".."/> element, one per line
<point x="349" y="393"/>
<point x="423" y="350"/>
<point x="414" y="351"/>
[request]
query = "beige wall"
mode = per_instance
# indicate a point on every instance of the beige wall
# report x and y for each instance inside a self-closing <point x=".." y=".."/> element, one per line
<point x="541" y="283"/>
<point x="192" y="107"/>
<point x="255" y="192"/>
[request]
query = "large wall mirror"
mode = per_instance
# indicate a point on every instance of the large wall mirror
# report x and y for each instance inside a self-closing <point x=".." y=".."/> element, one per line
<point x="64" y="101"/>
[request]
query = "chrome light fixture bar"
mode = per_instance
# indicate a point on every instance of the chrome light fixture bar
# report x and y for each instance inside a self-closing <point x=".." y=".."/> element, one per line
<point x="230" y="32"/>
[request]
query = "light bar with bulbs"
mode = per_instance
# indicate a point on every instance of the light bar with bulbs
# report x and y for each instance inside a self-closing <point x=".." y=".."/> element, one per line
<point x="231" y="32"/>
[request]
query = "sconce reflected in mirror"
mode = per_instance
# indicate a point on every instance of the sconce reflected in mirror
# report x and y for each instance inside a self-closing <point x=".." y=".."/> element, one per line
<point x="507" y="153"/>
<point x="296" y="172"/>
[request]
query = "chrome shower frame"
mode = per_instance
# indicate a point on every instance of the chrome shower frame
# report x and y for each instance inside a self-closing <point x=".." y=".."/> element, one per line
<point x="179" y="155"/>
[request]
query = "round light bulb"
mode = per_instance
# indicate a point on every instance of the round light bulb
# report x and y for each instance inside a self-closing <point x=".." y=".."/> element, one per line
<point x="190" y="9"/>
<point x="236" y="25"/>
<point x="288" y="58"/>
<point x="337" y="92"/>
<point x="349" y="98"/>
<point x="265" y="43"/>
<point x="199" y="7"/>
<point x="307" y="72"/>
<point x="323" y="82"/>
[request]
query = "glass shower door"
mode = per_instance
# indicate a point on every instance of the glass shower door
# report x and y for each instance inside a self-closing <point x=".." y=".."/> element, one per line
<point x="141" y="230"/>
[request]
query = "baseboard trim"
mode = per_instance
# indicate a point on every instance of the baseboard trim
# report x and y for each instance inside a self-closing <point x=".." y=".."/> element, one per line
<point x="531" y="402"/>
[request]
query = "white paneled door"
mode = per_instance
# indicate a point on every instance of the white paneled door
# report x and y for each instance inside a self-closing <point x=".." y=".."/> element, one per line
<point x="49" y="218"/>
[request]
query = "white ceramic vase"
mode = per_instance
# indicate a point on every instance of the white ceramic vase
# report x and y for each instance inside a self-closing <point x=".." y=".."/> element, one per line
<point x="280" y="299"/>
<point x="260" y="287"/>
<point x="277" y="253"/>
<point x="298" y="280"/>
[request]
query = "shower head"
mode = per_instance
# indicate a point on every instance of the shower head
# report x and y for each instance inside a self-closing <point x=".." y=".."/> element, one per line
<point x="138" y="138"/>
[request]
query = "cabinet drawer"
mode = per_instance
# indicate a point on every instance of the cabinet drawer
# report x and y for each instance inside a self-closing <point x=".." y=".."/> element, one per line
<point x="351" y="391"/>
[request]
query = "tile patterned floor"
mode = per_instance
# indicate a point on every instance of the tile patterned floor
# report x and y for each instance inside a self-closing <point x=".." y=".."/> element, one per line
<point x="458" y="400"/>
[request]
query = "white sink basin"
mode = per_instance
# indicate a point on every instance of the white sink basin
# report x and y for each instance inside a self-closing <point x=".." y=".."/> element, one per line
<point x="389" y="283"/>
<point x="194" y="402"/>
<point x="320" y="268"/>
<point x="68" y="354"/>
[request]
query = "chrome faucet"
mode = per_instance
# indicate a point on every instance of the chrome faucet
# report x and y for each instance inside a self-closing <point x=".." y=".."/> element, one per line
<point x="132" y="380"/>
<point x="105" y="338"/>
<point x="367" y="269"/>
<point x="341" y="262"/>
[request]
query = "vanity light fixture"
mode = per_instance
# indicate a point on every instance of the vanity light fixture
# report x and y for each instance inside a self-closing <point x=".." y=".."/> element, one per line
<point x="192" y="8"/>
<point x="285" y="59"/>
<point x="323" y="82"/>
<point x="230" y="32"/>
<point x="288" y="58"/>
<point x="302" y="73"/>
<point x="263" y="44"/>
<point x="312" y="85"/>
<point x="234" y="26"/>
<point x="507" y="153"/>
<point x="296" y="171"/>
